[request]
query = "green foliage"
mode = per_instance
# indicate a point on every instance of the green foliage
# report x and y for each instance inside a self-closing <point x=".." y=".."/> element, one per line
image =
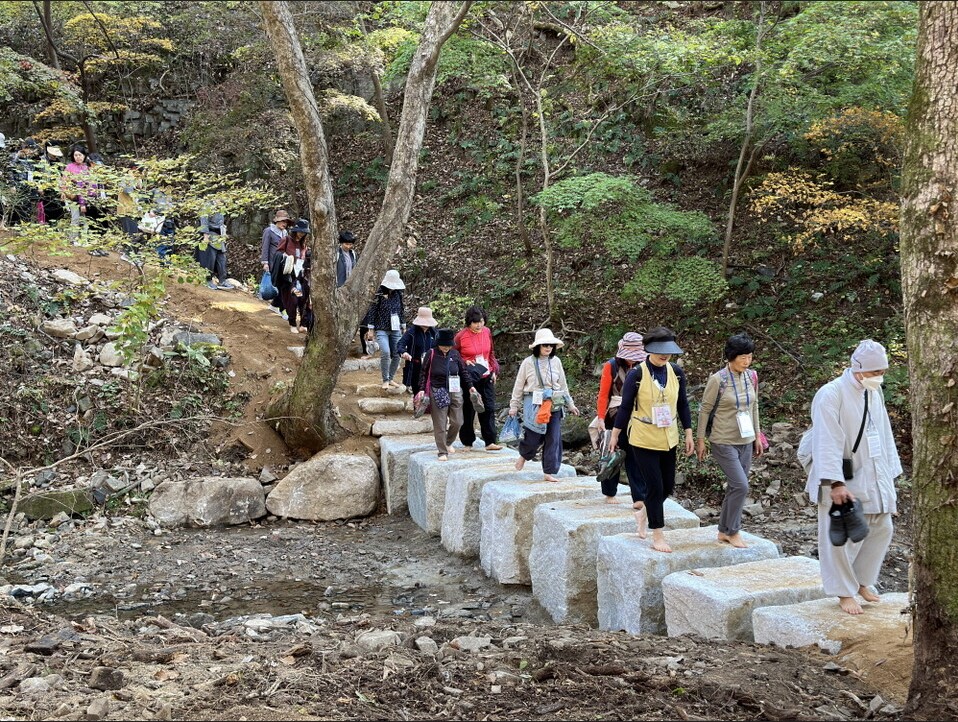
<point x="449" y="309"/>
<point x="476" y="64"/>
<point x="133" y="325"/>
<point x="615" y="212"/>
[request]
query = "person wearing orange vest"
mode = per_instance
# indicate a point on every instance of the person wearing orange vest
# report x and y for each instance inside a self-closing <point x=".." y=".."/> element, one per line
<point x="654" y="400"/>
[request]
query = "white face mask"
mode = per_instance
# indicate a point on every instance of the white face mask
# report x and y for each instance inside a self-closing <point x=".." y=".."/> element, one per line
<point x="873" y="383"/>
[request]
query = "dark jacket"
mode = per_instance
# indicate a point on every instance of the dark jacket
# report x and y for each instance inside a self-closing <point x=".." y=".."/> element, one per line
<point x="439" y="367"/>
<point x="385" y="304"/>
<point x="341" y="266"/>
<point x="415" y="342"/>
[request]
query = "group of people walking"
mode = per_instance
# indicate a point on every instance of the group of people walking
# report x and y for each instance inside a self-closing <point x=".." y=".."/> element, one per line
<point x="643" y="411"/>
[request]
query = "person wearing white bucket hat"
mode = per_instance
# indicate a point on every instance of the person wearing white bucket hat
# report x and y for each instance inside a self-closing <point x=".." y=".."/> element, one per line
<point x="543" y="392"/>
<point x="417" y="341"/>
<point x="854" y="459"/>
<point x="384" y="319"/>
<point x="654" y="399"/>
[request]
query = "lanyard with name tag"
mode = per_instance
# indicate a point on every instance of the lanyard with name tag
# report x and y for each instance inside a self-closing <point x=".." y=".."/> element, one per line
<point x="394" y="321"/>
<point x="662" y="416"/>
<point x="745" y="427"/>
<point x="874" y="442"/>
<point x="455" y="387"/>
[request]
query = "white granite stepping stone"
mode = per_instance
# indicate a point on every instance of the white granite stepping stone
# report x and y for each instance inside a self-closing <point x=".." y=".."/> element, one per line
<point x="426" y="491"/>
<point x="461" y="522"/>
<point x="822" y="622"/>
<point x="506" y="509"/>
<point x="630" y="573"/>
<point x="565" y="539"/>
<point x="397" y="427"/>
<point x="385" y="406"/>
<point x="394" y="453"/>
<point x="717" y="603"/>
<point x="361" y="364"/>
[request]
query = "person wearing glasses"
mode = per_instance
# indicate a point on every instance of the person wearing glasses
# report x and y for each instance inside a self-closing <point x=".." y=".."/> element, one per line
<point x="654" y="401"/>
<point x="543" y="392"/>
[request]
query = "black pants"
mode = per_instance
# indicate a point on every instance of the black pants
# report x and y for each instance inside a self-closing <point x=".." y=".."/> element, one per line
<point x="656" y="469"/>
<point x="487" y="419"/>
<point x="214" y="261"/>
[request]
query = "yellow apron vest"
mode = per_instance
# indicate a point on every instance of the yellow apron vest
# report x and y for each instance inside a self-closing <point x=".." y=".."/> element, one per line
<point x="644" y="433"/>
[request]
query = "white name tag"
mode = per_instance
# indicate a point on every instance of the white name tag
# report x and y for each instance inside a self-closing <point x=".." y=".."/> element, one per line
<point x="662" y="416"/>
<point x="874" y="443"/>
<point x="537" y="397"/>
<point x="745" y="428"/>
<point x="454" y="385"/>
<point x="394" y="321"/>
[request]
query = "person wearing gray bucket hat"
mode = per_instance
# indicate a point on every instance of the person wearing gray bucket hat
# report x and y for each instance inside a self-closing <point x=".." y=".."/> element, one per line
<point x="654" y="400"/>
<point x="851" y="477"/>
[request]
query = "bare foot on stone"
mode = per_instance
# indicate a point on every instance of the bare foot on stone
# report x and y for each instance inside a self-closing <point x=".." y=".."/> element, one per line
<point x="550" y="477"/>
<point x="612" y="500"/>
<point x="641" y="520"/>
<point x="734" y="539"/>
<point x="520" y="462"/>
<point x="659" y="543"/>
<point x="848" y="604"/>
<point x="867" y="594"/>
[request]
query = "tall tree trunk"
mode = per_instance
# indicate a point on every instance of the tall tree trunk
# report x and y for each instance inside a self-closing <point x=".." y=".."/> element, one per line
<point x="308" y="422"/>
<point x="742" y="169"/>
<point x="929" y="259"/>
<point x="520" y="160"/>
<point x="48" y="22"/>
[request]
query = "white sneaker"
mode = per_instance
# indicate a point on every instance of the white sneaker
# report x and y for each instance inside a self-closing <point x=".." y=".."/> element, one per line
<point x="293" y="329"/>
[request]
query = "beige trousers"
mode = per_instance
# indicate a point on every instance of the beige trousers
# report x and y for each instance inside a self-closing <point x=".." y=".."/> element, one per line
<point x="848" y="567"/>
<point x="446" y="422"/>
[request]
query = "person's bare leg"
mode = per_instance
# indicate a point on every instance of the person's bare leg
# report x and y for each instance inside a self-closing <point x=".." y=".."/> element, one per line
<point x="658" y="541"/>
<point x="848" y="604"/>
<point x="867" y="594"/>
<point x="641" y="519"/>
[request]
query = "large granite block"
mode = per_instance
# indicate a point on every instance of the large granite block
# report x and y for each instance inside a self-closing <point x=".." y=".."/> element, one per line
<point x="460" y="517"/>
<point x="630" y="573"/>
<point x="400" y="427"/>
<point x="565" y="540"/>
<point x="394" y="453"/>
<point x="822" y="622"/>
<point x="426" y="492"/>
<point x="506" y="509"/>
<point x="717" y="603"/>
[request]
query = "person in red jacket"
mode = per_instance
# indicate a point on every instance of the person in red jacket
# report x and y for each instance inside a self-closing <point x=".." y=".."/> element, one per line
<point x="630" y="352"/>
<point x="474" y="344"/>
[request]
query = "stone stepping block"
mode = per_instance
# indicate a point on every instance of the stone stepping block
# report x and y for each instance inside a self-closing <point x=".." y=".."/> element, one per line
<point x="717" y="603"/>
<point x="394" y="453"/>
<point x="426" y="490"/>
<point x="398" y="427"/>
<point x="822" y="622"/>
<point x="506" y="509"/>
<point x="630" y="572"/>
<point x="565" y="540"/>
<point x="360" y="364"/>
<point x="385" y="406"/>
<point x="461" y="522"/>
<point x="377" y="390"/>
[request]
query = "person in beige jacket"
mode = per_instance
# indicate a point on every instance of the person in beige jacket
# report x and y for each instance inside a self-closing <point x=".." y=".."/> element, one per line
<point x="728" y="417"/>
<point x="541" y="381"/>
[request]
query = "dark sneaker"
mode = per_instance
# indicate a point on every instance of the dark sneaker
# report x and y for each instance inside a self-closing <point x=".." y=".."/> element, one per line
<point x="855" y="525"/>
<point x="837" y="533"/>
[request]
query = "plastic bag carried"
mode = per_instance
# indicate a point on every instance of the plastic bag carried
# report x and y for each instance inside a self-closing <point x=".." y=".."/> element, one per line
<point x="267" y="291"/>
<point x="511" y="431"/>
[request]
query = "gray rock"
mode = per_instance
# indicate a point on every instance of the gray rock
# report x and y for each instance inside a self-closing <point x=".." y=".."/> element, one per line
<point x="98" y="709"/>
<point x="110" y="356"/>
<point x="328" y="486"/>
<point x="266" y="476"/>
<point x="189" y="338"/>
<point x="106" y="678"/>
<point x="471" y="644"/>
<point x="208" y="501"/>
<point x="100" y="319"/>
<point x="70" y="277"/>
<point x="378" y="639"/>
<point x="34" y="686"/>
<point x="427" y="645"/>
<point x="59" y="328"/>
<point x="48" y="504"/>
<point x="705" y="512"/>
<point x="91" y="334"/>
<point x="753" y="510"/>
